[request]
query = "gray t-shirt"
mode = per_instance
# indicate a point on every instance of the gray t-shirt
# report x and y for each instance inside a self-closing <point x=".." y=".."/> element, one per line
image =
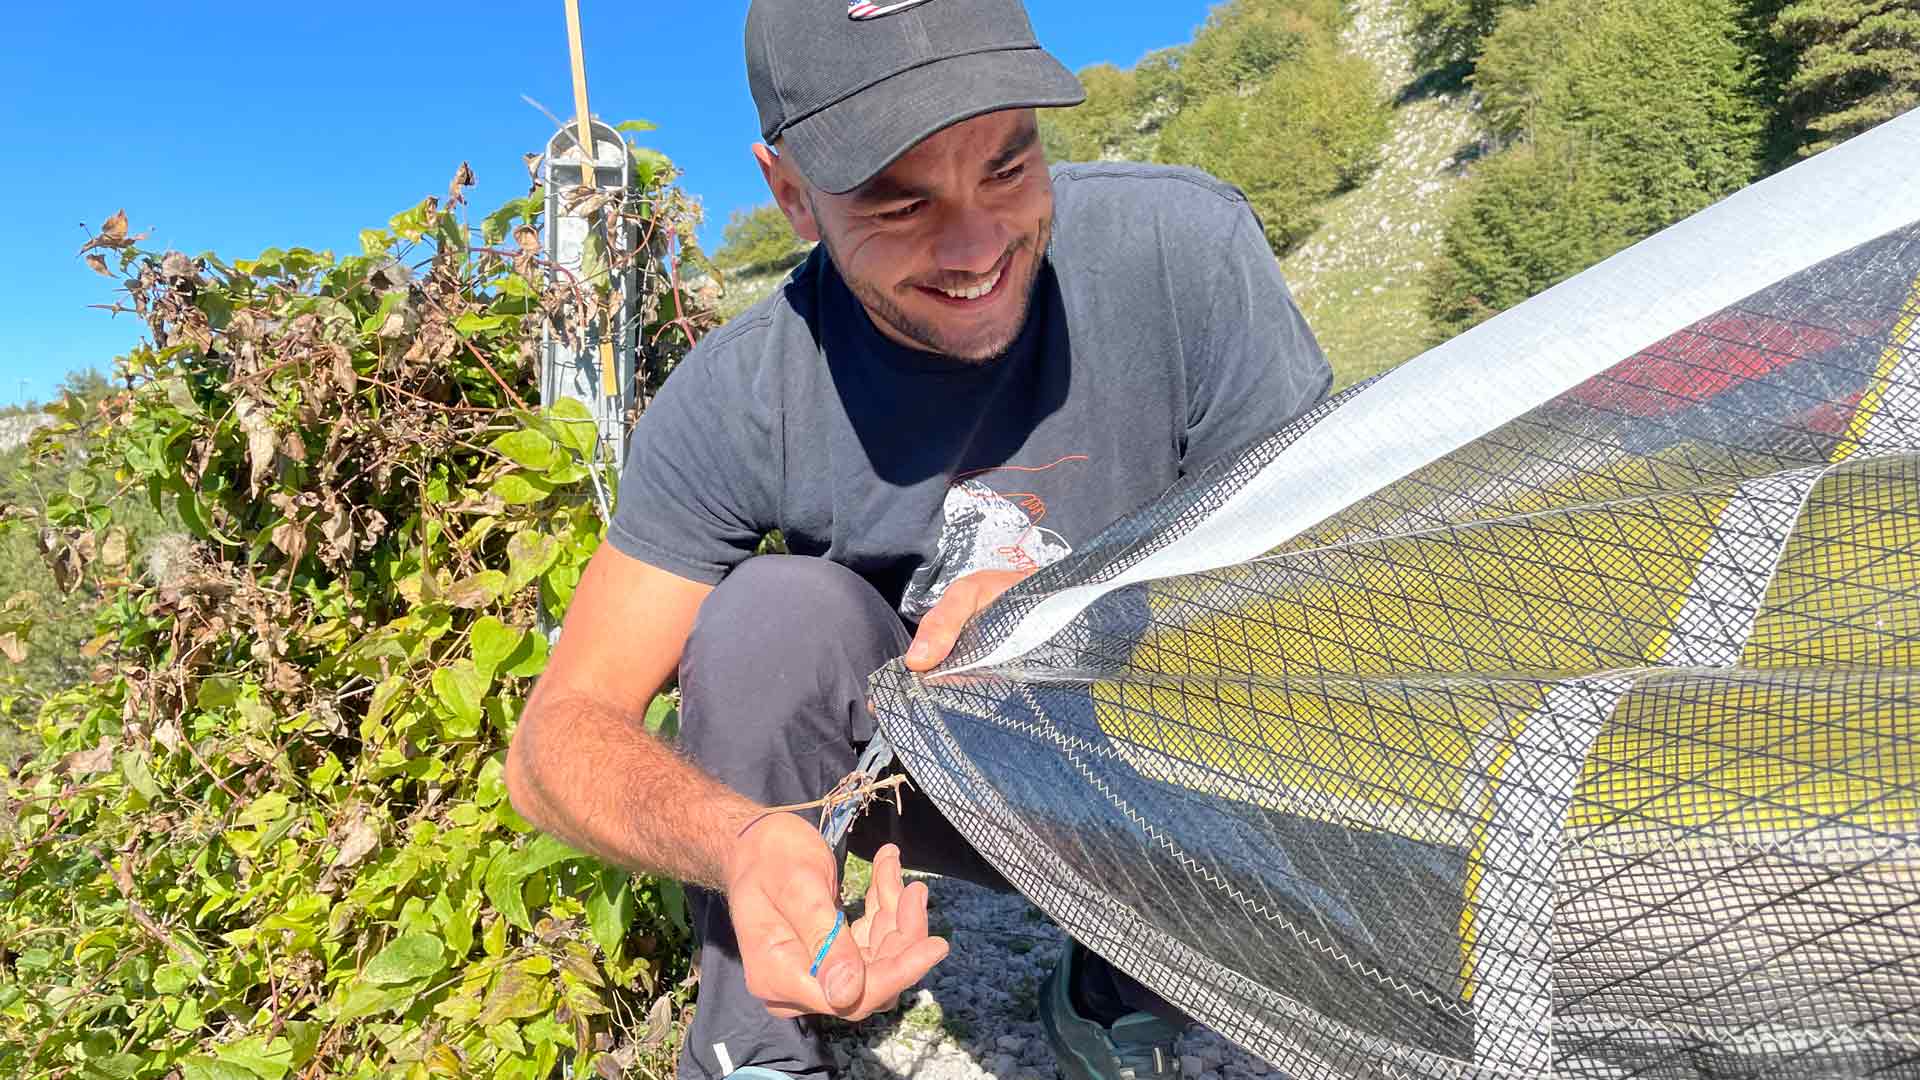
<point x="1160" y="337"/>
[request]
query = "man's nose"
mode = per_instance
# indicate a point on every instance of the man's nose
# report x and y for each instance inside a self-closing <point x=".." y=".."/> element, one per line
<point x="970" y="241"/>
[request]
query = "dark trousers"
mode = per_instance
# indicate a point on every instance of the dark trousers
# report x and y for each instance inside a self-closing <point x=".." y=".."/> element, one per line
<point x="773" y="704"/>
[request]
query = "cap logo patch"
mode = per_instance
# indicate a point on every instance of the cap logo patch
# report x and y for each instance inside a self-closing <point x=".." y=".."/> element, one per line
<point x="862" y="10"/>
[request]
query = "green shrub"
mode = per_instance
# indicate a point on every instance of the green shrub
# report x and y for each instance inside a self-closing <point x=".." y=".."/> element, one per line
<point x="1103" y="126"/>
<point x="759" y="240"/>
<point x="1244" y="41"/>
<point x="1629" y="115"/>
<point x="270" y="837"/>
<point x="1530" y="218"/>
<point x="1312" y="127"/>
<point x="1856" y="64"/>
<point x="1451" y="31"/>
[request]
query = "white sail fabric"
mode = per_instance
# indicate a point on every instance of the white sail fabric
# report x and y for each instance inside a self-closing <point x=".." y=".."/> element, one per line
<point x="1548" y="706"/>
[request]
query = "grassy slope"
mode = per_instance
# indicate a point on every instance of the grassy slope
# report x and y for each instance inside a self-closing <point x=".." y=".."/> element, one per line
<point x="1358" y="278"/>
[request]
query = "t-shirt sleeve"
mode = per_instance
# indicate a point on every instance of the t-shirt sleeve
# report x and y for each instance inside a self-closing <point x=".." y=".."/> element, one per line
<point x="1254" y="365"/>
<point x="699" y="487"/>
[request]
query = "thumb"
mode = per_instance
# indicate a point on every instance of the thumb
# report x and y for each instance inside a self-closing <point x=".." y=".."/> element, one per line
<point x="843" y="974"/>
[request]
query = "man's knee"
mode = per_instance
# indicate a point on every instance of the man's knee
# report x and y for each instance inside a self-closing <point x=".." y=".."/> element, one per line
<point x="776" y="667"/>
<point x="785" y="604"/>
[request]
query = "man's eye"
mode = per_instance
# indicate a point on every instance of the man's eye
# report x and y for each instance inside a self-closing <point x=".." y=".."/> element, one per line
<point x="1010" y="173"/>
<point x="902" y="213"/>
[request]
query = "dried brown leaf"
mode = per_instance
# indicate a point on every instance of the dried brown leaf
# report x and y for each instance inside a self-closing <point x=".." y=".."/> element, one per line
<point x="115" y="548"/>
<point x="114" y="229"/>
<point x="659" y="1020"/>
<point x="13" y="646"/>
<point x="291" y="538"/>
<point x="462" y="178"/>
<point x="360" y="840"/>
<point x="261" y="440"/>
<point x="87" y="762"/>
<point x="528" y="239"/>
<point x="99" y="264"/>
<point x="168" y="734"/>
<point x="344" y="377"/>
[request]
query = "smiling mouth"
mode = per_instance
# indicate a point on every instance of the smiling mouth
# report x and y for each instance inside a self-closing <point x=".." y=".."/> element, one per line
<point x="976" y="292"/>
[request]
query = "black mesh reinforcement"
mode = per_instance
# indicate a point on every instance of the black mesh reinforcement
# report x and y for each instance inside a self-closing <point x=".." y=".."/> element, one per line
<point x="1591" y="748"/>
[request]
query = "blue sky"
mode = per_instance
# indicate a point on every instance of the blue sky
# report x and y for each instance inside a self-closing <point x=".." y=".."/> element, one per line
<point x="231" y="127"/>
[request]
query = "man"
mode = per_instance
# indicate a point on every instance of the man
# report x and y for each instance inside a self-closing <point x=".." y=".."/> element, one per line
<point x="981" y="365"/>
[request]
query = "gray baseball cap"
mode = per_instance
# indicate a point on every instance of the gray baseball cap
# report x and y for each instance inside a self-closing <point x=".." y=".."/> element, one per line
<point x="853" y="85"/>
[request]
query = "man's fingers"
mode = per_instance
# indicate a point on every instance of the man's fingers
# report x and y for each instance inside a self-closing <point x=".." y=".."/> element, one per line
<point x="910" y="912"/>
<point x="889" y="976"/>
<point x="941" y="626"/>
<point x="939" y="629"/>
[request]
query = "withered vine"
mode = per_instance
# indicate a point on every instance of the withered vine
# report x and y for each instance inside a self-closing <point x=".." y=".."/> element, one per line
<point x="269" y="837"/>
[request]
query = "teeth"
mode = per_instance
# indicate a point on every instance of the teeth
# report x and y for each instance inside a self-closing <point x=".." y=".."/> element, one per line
<point x="977" y="291"/>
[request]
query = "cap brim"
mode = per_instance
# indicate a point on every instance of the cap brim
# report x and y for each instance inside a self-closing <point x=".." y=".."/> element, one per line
<point x="841" y="147"/>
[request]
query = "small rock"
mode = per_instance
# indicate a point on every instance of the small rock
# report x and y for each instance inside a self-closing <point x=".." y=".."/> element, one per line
<point x="1002" y="1065"/>
<point x="1209" y="1075"/>
<point x="1012" y="1044"/>
<point x="1190" y="1065"/>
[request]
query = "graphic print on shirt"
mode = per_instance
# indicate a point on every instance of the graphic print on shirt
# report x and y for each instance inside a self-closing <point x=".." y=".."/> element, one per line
<point x="984" y="529"/>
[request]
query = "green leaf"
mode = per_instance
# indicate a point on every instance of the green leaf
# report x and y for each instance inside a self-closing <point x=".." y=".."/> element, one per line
<point x="610" y="909"/>
<point x="413" y="223"/>
<point x="503" y="892"/>
<point x="133" y="766"/>
<point x="674" y="899"/>
<point x="475" y="323"/>
<point x="82" y="485"/>
<point x="514" y="994"/>
<point x="269" y="1060"/>
<point x="206" y="1068"/>
<point x="573" y="422"/>
<point x="663" y="717"/>
<point x="365" y="999"/>
<point x="493" y="642"/>
<point x="527" y="448"/>
<point x="530" y="659"/>
<point x="636" y="125"/>
<point x="264" y="810"/>
<point x="545" y="851"/>
<point x="477" y="590"/>
<point x="375" y="241"/>
<point x="217" y="692"/>
<point x="384" y="696"/>
<point x="519" y="488"/>
<point x="111" y="1066"/>
<point x="459" y="688"/>
<point x="172" y="978"/>
<point x="529" y="554"/>
<point x="179" y="396"/>
<point x="648" y="165"/>
<point x="406" y="958"/>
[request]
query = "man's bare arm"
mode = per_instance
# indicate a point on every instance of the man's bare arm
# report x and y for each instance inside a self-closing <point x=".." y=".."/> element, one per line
<point x="582" y="765"/>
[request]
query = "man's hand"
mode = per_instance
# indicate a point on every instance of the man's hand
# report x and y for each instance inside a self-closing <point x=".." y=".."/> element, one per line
<point x="962" y="601"/>
<point x="782" y="891"/>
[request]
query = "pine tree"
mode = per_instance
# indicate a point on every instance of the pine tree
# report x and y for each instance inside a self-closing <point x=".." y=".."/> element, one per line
<point x="1857" y="64"/>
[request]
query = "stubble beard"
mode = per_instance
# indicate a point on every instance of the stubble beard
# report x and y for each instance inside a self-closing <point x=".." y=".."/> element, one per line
<point x="929" y="337"/>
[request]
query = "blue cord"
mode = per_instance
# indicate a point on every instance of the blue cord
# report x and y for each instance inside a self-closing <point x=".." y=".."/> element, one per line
<point x="839" y="920"/>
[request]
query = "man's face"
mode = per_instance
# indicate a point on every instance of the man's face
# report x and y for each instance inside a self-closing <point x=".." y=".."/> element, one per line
<point x="942" y="248"/>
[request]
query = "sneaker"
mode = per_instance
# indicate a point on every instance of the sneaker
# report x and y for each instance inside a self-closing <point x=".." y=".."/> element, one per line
<point x="1138" y="1046"/>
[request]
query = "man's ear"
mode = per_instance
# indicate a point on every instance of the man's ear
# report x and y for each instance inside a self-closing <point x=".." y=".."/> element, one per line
<point x="788" y="191"/>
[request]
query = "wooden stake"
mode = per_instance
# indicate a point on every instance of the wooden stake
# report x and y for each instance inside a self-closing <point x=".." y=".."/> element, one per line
<point x="589" y="176"/>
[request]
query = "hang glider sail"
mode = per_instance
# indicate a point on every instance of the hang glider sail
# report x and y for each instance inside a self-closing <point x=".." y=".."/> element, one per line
<point x="1547" y="706"/>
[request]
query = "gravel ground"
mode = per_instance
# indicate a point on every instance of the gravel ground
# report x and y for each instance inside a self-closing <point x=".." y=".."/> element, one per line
<point x="974" y="1016"/>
